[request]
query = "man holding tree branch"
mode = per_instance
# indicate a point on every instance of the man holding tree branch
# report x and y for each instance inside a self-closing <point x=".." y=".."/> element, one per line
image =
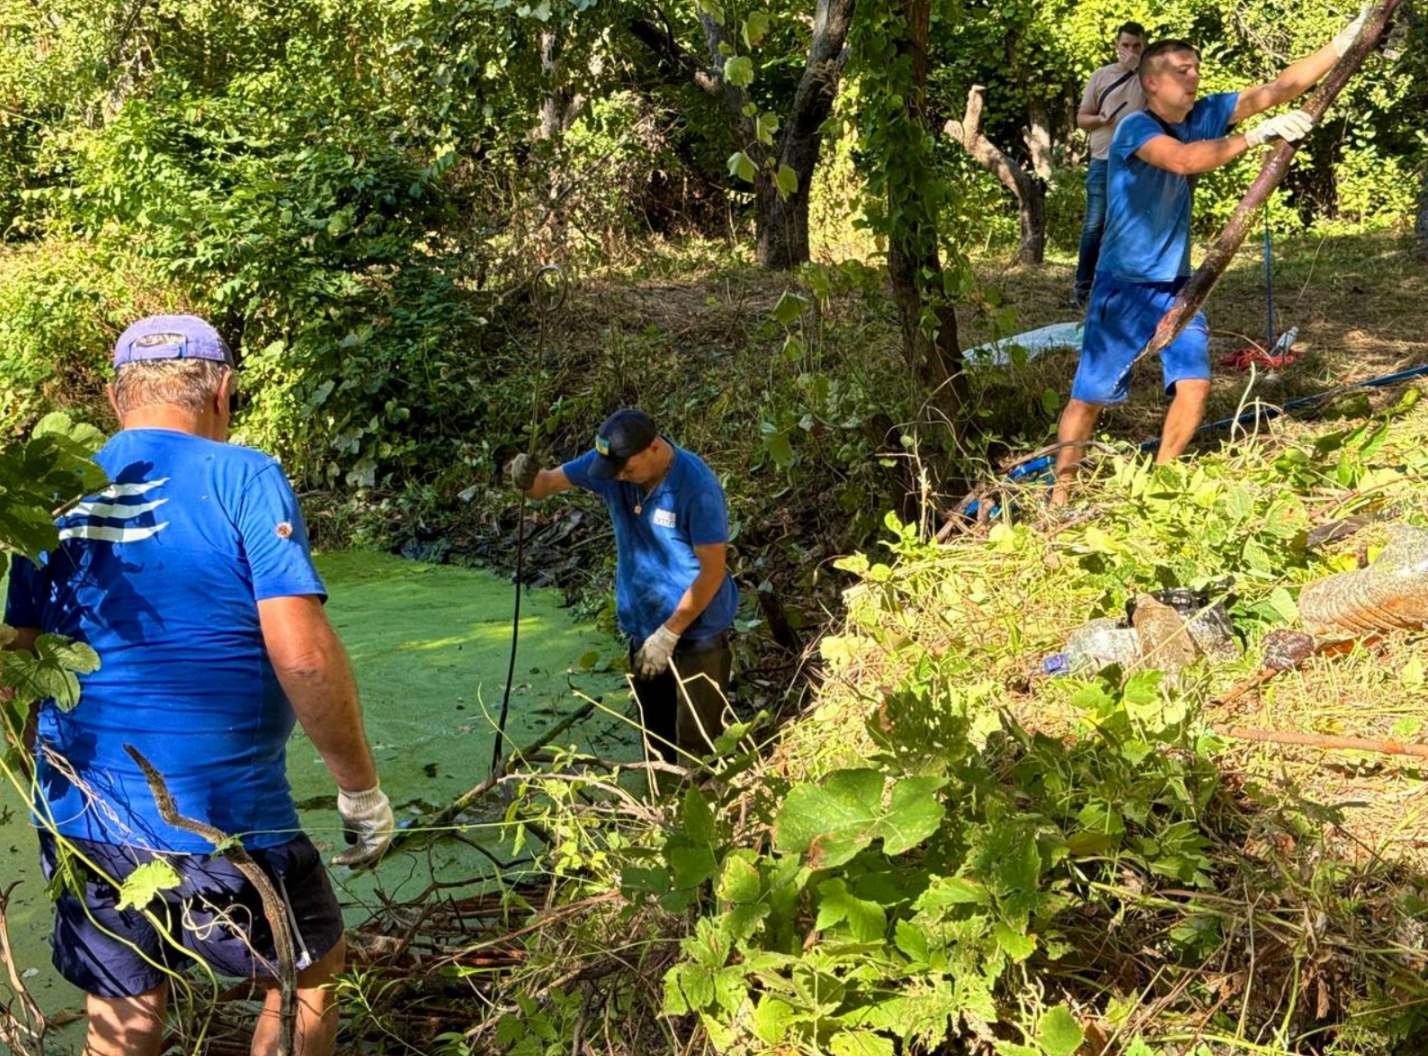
<point x="1155" y="158"/>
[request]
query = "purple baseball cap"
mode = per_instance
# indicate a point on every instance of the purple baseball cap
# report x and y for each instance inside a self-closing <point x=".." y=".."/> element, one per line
<point x="170" y="337"/>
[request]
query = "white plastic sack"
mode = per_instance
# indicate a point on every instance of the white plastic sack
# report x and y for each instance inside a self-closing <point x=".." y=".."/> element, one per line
<point x="1033" y="342"/>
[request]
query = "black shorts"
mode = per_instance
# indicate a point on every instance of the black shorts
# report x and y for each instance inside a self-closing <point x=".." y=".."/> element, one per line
<point x="214" y="915"/>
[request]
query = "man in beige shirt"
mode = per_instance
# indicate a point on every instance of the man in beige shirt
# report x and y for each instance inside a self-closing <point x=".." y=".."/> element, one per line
<point x="1112" y="92"/>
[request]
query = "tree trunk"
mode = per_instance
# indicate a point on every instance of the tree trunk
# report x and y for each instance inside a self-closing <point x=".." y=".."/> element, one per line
<point x="914" y="267"/>
<point x="781" y="226"/>
<point x="781" y="222"/>
<point x="1420" y="224"/>
<point x="1029" y="191"/>
<point x="562" y="104"/>
<point x="1038" y="140"/>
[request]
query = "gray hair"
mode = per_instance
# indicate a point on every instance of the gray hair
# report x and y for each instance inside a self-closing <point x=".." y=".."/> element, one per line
<point x="187" y="383"/>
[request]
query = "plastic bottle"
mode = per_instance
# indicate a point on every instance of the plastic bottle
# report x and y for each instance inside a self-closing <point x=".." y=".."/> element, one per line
<point x="1391" y="594"/>
<point x="1099" y="644"/>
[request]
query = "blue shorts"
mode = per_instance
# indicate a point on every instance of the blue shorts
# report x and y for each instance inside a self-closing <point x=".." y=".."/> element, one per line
<point x="1119" y="321"/>
<point x="215" y="914"/>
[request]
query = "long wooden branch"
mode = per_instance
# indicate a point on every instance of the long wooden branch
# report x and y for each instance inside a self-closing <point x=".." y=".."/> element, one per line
<point x="1323" y="740"/>
<point x="449" y="813"/>
<point x="1195" y="291"/>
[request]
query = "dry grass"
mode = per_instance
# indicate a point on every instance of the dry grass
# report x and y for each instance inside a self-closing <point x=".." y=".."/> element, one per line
<point x="1356" y="299"/>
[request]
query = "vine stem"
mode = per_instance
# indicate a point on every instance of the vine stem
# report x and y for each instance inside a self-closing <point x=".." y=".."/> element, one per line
<point x="231" y="849"/>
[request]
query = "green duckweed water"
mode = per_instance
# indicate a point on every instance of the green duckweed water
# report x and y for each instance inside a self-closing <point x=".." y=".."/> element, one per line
<point x="430" y="646"/>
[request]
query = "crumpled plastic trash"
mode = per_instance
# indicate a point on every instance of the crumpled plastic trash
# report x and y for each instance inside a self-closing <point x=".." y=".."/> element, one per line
<point x="1284" y="650"/>
<point x="1100" y="643"/>
<point x="1391" y="594"/>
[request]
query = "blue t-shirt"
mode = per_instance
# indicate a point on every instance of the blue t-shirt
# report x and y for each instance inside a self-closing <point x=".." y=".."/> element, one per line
<point x="1147" y="235"/>
<point x="655" y="561"/>
<point x="161" y="574"/>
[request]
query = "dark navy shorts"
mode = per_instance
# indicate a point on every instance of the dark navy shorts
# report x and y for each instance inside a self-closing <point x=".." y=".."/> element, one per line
<point x="1120" y="319"/>
<point x="215" y="915"/>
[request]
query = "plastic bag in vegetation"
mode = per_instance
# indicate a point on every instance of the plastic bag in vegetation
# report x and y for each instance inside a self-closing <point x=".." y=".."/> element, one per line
<point x="1391" y="594"/>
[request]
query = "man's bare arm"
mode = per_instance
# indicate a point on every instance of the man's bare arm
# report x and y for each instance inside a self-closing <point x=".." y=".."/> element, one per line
<point x="314" y="671"/>
<point x="1296" y="79"/>
<point x="1088" y="121"/>
<point x="549" y="482"/>
<point x="1167" y="152"/>
<point x="712" y="560"/>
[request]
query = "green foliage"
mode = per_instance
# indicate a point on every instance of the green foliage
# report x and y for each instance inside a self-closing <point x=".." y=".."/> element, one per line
<point x="41" y="475"/>
<point x="143" y="885"/>
<point x="38" y="478"/>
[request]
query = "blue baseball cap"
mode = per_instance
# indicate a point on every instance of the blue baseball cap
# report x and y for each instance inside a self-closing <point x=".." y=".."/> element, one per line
<point x="623" y="435"/>
<point x="171" y="337"/>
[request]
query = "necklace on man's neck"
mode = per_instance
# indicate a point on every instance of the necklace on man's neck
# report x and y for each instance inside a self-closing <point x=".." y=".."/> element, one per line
<point x="640" y="501"/>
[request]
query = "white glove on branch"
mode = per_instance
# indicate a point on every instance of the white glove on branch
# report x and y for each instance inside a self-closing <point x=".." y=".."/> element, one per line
<point x="367" y="825"/>
<point x="1292" y="126"/>
<point x="654" y="654"/>
<point x="1350" y="33"/>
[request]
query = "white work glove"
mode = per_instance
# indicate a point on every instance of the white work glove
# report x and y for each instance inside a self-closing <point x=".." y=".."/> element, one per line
<point x="523" y="470"/>
<point x="653" y="657"/>
<point x="1292" y="126"/>
<point x="1350" y="33"/>
<point x="367" y="825"/>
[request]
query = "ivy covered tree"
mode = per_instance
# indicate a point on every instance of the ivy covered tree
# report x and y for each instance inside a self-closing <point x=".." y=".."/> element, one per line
<point x="743" y="58"/>
<point x="907" y="193"/>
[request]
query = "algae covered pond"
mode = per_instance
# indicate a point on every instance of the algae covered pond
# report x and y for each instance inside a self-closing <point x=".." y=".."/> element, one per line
<point x="430" y="645"/>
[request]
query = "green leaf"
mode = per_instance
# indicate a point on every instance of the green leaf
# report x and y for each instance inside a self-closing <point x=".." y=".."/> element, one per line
<point x="145" y="882"/>
<point x="1016" y="946"/>
<point x="739" y="880"/>
<point x="1412" y="675"/>
<point x="697" y="818"/>
<point x="771" y="1019"/>
<point x="836" y="905"/>
<point x="830" y="822"/>
<point x="742" y="167"/>
<point x="756" y="27"/>
<point x="780" y="448"/>
<point x="765" y="127"/>
<point x="691" y="866"/>
<point x="789" y="307"/>
<point x="947" y="891"/>
<point x="739" y="71"/>
<point x="1059" y="1033"/>
<point x="860" y="1043"/>
<point x="786" y="180"/>
<point x="48" y="672"/>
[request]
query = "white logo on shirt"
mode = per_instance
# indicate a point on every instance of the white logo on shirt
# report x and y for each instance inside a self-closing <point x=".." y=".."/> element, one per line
<point x="664" y="518"/>
<point x="114" y="511"/>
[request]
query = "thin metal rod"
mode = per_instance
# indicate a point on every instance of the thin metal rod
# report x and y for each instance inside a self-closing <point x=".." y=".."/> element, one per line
<point x="549" y="287"/>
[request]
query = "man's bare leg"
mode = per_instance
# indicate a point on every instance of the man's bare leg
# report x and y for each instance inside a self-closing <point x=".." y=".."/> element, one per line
<point x="1187" y="411"/>
<point x="126" y="1026"/>
<point x="315" y="1033"/>
<point x="1078" y="422"/>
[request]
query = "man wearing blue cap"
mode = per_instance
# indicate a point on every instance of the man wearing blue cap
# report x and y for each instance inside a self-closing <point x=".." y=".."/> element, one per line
<point x="190" y="576"/>
<point x="674" y="596"/>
